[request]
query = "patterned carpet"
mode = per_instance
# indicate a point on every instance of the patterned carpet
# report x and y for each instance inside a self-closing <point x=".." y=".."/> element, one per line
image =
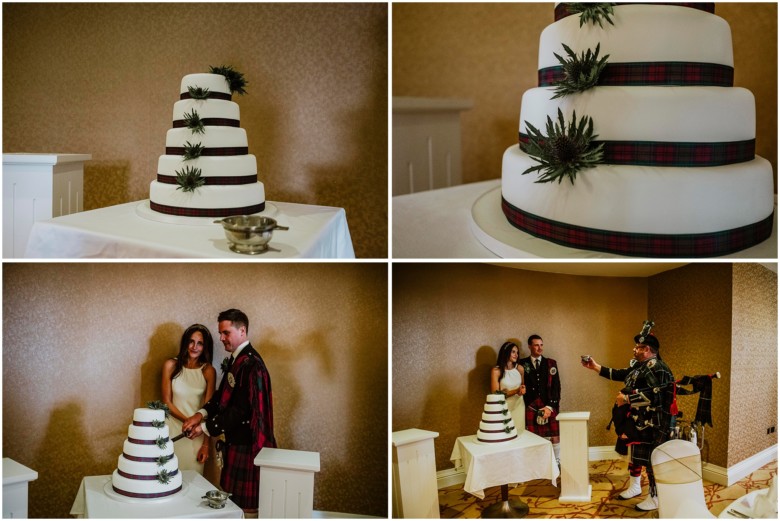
<point x="608" y="478"/>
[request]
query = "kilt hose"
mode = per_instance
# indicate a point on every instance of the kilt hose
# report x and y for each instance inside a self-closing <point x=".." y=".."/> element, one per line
<point x="240" y="477"/>
<point x="548" y="430"/>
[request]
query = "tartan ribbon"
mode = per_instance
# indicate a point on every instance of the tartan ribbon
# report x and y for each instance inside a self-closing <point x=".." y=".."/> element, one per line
<point x="212" y="95"/>
<point x="143" y="424"/>
<point x="145" y="442"/>
<point x="651" y="73"/>
<point x="225" y="180"/>
<point x="498" y="441"/>
<point x="206" y="212"/>
<point x="687" y="245"/>
<point x="671" y="153"/>
<point x="215" y="151"/>
<point x="141" y="476"/>
<point x="139" y="458"/>
<point x="562" y="9"/>
<point x="214" y="122"/>
<point x="146" y="495"/>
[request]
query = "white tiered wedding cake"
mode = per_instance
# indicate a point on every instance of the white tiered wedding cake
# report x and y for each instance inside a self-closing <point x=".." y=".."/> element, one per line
<point x="147" y="467"/>
<point x="668" y="168"/>
<point x="207" y="170"/>
<point x="497" y="424"/>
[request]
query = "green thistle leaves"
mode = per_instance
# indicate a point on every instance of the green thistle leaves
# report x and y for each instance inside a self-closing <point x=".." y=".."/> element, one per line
<point x="234" y="78"/>
<point x="158" y="405"/>
<point x="198" y="93"/>
<point x="161" y="442"/>
<point x="157" y="424"/>
<point x="192" y="151"/>
<point x="592" y="13"/>
<point x="164" y="477"/>
<point x="189" y="179"/>
<point x="582" y="72"/>
<point x="194" y="123"/>
<point x="162" y="460"/>
<point x="564" y="151"/>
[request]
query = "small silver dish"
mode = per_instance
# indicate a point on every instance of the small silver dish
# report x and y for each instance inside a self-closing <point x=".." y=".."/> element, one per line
<point x="216" y="498"/>
<point x="585" y="358"/>
<point x="249" y="234"/>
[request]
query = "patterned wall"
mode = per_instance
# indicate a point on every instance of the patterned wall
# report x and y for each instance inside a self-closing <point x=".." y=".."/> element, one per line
<point x="443" y="50"/>
<point x="84" y="345"/>
<point x="102" y="79"/>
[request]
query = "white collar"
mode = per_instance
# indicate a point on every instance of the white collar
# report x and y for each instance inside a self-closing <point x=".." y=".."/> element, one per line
<point x="238" y="350"/>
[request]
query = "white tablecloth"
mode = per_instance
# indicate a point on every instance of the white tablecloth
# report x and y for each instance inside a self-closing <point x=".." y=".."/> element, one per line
<point x="486" y="465"/>
<point x="119" y="232"/>
<point x="93" y="502"/>
<point x="439" y="224"/>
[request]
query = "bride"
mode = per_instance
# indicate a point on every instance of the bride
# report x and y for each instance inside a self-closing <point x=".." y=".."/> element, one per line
<point x="507" y="376"/>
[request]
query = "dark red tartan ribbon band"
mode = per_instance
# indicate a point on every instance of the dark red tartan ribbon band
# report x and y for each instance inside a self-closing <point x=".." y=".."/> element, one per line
<point x="652" y="73"/>
<point x="210" y="122"/>
<point x="143" y="424"/>
<point x="145" y="442"/>
<point x="139" y="458"/>
<point x="146" y="496"/>
<point x="212" y="95"/>
<point x="210" y="181"/>
<point x="670" y="153"/>
<point x="562" y="9"/>
<point x="689" y="245"/>
<point x="206" y="212"/>
<point x="216" y="151"/>
<point x="499" y="441"/>
<point x="141" y="476"/>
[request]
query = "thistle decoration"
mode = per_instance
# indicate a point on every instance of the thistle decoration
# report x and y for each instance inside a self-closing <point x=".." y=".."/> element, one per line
<point x="582" y="72"/>
<point x="224" y="364"/>
<point x="198" y="93"/>
<point x="162" y="460"/>
<point x="593" y="13"/>
<point x="189" y="179"/>
<point x="234" y="78"/>
<point x="161" y="442"/>
<point x="192" y="151"/>
<point x="506" y="422"/>
<point x="157" y="424"/>
<point x="507" y="429"/>
<point x="194" y="123"/>
<point x="163" y="477"/>
<point x="505" y="412"/>
<point x="158" y="405"/>
<point x="563" y="151"/>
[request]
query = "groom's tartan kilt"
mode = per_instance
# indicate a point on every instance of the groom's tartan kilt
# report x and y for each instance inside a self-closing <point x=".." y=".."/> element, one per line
<point x="240" y="476"/>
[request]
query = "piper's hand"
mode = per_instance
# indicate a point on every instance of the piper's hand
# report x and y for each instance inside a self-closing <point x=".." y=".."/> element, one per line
<point x="191" y="422"/>
<point x="621" y="399"/>
<point x="203" y="453"/>
<point x="590" y="364"/>
<point x="194" y="432"/>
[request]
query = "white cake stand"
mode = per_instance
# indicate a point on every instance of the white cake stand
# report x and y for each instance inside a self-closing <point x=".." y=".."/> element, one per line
<point x="144" y="210"/>
<point x="110" y="492"/>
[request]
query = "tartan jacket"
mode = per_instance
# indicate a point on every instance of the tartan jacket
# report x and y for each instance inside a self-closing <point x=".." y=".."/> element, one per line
<point x="544" y="384"/>
<point x="242" y="407"/>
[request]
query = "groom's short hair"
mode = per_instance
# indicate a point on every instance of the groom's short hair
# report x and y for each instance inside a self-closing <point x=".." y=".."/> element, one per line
<point x="237" y="317"/>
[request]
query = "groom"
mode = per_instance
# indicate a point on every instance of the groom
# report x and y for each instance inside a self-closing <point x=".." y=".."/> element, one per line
<point x="241" y="410"/>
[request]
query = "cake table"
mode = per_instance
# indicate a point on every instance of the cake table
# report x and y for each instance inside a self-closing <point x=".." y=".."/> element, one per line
<point x="120" y="232"/>
<point x="526" y="458"/>
<point x="92" y="501"/>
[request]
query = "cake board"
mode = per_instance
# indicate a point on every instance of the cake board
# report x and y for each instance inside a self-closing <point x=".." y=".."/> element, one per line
<point x="110" y="492"/>
<point x="143" y="209"/>
<point x="491" y="228"/>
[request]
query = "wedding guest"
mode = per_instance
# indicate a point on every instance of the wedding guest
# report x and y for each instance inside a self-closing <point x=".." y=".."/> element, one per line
<point x="188" y="381"/>
<point x="240" y="413"/>
<point x="543" y="394"/>
<point x="507" y="376"/>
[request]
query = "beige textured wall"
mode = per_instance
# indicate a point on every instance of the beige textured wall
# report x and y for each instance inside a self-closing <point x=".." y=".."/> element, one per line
<point x="102" y="79"/>
<point x="84" y="345"/>
<point x="489" y="52"/>
<point x="450" y="319"/>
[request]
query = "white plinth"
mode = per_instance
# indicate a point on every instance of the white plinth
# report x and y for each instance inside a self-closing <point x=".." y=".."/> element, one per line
<point x="575" y="478"/>
<point x="15" y="479"/>
<point x="415" y="492"/>
<point x="286" y="483"/>
<point x="37" y="187"/>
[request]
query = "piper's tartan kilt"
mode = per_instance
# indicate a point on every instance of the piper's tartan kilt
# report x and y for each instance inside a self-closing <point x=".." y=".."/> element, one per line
<point x="640" y="453"/>
<point x="240" y="477"/>
<point x="548" y="430"/>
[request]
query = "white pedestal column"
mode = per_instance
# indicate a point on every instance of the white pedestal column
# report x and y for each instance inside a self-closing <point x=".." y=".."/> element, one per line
<point x="36" y="187"/>
<point x="415" y="493"/>
<point x="15" y="480"/>
<point x="286" y="483"/>
<point x="575" y="479"/>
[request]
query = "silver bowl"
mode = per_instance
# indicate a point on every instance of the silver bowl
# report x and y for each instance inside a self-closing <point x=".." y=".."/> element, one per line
<point x="249" y="234"/>
<point x="216" y="498"/>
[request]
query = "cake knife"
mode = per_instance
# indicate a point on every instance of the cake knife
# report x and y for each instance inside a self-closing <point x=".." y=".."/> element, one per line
<point x="180" y="436"/>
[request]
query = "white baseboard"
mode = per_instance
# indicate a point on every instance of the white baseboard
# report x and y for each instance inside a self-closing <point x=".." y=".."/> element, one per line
<point x="320" y="514"/>
<point x="710" y="472"/>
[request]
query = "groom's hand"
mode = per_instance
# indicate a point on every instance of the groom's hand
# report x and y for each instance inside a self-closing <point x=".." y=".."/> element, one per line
<point x="191" y="422"/>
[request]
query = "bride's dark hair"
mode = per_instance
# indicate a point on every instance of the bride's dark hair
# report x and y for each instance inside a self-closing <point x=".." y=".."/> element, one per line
<point x="183" y="356"/>
<point x="503" y="356"/>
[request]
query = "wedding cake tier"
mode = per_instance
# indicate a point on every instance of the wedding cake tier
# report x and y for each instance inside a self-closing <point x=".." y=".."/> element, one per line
<point x="636" y="142"/>
<point x="497" y="424"/>
<point x="147" y="467"/>
<point x="207" y="170"/>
